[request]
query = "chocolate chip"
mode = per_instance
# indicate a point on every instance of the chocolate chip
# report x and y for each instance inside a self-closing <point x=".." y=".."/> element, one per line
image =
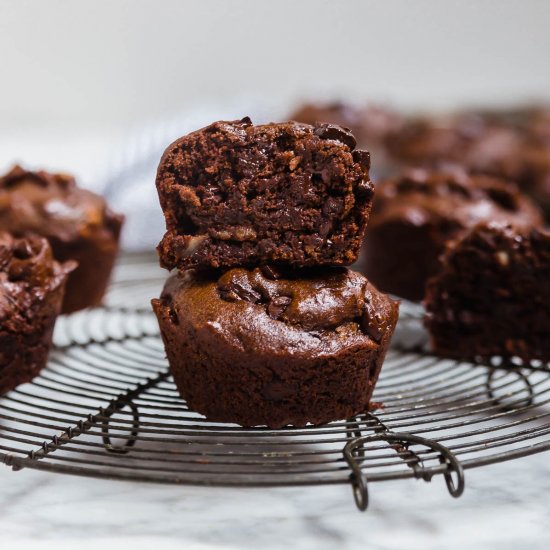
<point x="173" y="316"/>
<point x="18" y="270"/>
<point x="333" y="205"/>
<point x="22" y="249"/>
<point x="325" y="228"/>
<point x="365" y="189"/>
<point x="277" y="306"/>
<point x="332" y="131"/>
<point x="362" y="157"/>
<point x="234" y="292"/>
<point x="374" y="327"/>
<point x="504" y="198"/>
<point x="270" y="272"/>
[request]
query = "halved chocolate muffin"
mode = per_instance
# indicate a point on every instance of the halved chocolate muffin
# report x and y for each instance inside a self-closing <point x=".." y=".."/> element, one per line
<point x="261" y="347"/>
<point x="77" y="223"/>
<point x="235" y="194"/>
<point x="491" y="296"/>
<point x="31" y="291"/>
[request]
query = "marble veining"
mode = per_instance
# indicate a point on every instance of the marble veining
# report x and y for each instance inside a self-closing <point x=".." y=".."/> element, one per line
<point x="505" y="506"/>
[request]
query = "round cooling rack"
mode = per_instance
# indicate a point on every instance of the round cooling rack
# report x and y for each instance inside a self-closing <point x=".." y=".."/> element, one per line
<point x="106" y="406"/>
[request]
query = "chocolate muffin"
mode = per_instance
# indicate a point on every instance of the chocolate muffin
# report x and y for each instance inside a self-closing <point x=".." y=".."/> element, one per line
<point x="77" y="223"/>
<point x="371" y="124"/>
<point x="261" y="347"/>
<point x="31" y="292"/>
<point x="491" y="296"/>
<point x="235" y="194"/>
<point x="416" y="213"/>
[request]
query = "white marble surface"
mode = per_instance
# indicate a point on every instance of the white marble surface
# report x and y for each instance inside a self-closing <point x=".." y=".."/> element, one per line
<point x="504" y="507"/>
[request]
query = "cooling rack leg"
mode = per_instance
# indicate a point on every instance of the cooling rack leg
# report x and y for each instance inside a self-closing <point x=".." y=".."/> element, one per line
<point x="451" y="468"/>
<point x="11" y="461"/>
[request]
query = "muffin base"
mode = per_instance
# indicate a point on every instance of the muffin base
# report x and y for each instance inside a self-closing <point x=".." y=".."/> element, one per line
<point x="286" y="381"/>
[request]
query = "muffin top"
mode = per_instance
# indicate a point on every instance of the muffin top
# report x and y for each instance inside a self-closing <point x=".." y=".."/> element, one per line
<point x="28" y="274"/>
<point x="52" y="205"/>
<point x="452" y="196"/>
<point x="315" y="311"/>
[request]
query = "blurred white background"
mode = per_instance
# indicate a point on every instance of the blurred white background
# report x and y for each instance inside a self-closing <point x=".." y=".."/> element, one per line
<point x="115" y="62"/>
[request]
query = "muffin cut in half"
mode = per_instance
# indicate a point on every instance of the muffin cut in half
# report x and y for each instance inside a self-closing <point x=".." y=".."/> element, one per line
<point x="492" y="295"/>
<point x="235" y="194"/>
<point x="262" y="347"/>
<point x="31" y="291"/>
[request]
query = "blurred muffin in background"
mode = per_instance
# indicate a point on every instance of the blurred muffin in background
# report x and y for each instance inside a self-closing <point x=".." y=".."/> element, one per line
<point x="417" y="212"/>
<point x="491" y="295"/>
<point x="77" y="223"/>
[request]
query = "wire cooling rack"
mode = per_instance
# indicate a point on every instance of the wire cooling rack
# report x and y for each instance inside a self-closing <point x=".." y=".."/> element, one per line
<point x="106" y="406"/>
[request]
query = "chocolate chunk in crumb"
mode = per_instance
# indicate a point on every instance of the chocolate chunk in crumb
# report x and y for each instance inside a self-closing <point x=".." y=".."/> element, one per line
<point x="337" y="133"/>
<point x="362" y="157"/>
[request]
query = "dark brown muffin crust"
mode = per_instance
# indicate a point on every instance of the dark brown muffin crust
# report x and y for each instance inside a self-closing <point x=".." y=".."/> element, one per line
<point x="491" y="296"/>
<point x="261" y="347"/>
<point x="235" y="194"/>
<point x="77" y="223"/>
<point x="416" y="213"/>
<point x="31" y="291"/>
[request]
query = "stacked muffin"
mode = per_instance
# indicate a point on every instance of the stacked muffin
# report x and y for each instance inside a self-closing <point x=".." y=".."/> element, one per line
<point x="262" y="323"/>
